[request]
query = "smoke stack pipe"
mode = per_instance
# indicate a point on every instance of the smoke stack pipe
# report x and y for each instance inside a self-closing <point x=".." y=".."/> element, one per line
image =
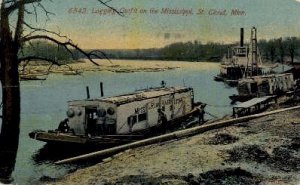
<point x="101" y="89"/>
<point x="87" y="92"/>
<point x="242" y="37"/>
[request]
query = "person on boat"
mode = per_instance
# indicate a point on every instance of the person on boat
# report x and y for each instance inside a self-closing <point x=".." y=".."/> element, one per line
<point x="163" y="83"/>
<point x="201" y="112"/>
<point x="162" y="119"/>
<point x="91" y="124"/>
<point x="64" y="126"/>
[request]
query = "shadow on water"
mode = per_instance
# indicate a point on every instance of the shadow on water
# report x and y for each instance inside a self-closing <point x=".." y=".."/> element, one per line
<point x="52" y="153"/>
<point x="7" y="166"/>
<point x="49" y="154"/>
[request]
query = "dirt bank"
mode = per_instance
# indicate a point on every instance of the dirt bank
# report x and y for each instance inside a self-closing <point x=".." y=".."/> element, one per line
<point x="262" y="150"/>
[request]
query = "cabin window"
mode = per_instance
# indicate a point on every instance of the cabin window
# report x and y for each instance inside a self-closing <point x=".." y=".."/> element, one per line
<point x="142" y="117"/>
<point x="136" y="118"/>
<point x="110" y="111"/>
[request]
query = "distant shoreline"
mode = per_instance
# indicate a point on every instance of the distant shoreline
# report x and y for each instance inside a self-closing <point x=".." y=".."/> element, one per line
<point x="117" y="66"/>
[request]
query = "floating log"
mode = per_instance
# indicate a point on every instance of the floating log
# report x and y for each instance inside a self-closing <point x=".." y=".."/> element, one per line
<point x="174" y="135"/>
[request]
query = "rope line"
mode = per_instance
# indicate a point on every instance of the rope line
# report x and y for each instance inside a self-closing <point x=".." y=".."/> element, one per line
<point x="214" y="116"/>
<point x="218" y="105"/>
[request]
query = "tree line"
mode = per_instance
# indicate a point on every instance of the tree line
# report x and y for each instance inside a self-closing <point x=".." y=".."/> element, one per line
<point x="182" y="51"/>
<point x="280" y="49"/>
<point x="274" y="50"/>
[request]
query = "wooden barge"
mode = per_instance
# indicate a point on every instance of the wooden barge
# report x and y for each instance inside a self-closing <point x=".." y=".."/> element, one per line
<point x="122" y="119"/>
<point x="265" y="85"/>
<point x="253" y="106"/>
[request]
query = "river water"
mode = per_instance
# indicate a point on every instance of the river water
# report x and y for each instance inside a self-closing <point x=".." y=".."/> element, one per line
<point x="44" y="105"/>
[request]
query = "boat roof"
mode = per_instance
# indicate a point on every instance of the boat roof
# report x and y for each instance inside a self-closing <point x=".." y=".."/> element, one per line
<point x="252" y="102"/>
<point x="265" y="77"/>
<point x="281" y="68"/>
<point x="139" y="95"/>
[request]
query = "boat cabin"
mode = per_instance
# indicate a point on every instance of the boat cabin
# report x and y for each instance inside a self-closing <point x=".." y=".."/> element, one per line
<point x="242" y="60"/>
<point x="128" y="113"/>
<point x="232" y="72"/>
<point x="265" y="85"/>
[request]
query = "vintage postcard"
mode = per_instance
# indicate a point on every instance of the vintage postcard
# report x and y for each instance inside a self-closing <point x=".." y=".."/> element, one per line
<point x="150" y="91"/>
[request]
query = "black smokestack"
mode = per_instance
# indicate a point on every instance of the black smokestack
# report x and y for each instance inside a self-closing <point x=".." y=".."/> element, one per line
<point x="87" y="92"/>
<point x="242" y="37"/>
<point x="101" y="89"/>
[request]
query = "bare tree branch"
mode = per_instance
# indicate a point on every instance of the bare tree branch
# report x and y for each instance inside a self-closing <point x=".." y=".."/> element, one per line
<point x="65" y="44"/>
<point x="42" y="30"/>
<point x="51" y="61"/>
<point x="38" y="58"/>
<point x="110" y="7"/>
<point x="9" y="1"/>
<point x="46" y="11"/>
<point x="15" y="5"/>
<point x="35" y="12"/>
<point x="93" y="53"/>
<point x="27" y="11"/>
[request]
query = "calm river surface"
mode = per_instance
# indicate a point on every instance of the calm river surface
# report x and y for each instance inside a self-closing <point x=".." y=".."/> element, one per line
<point x="44" y="105"/>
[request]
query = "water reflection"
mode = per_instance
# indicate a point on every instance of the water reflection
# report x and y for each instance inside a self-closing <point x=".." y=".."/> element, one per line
<point x="50" y="153"/>
<point x="7" y="165"/>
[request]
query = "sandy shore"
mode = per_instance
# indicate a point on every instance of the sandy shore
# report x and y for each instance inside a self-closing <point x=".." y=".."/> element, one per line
<point x="121" y="66"/>
<point x="264" y="150"/>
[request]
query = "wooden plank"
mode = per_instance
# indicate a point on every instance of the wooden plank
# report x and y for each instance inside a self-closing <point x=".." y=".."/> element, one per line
<point x="253" y="102"/>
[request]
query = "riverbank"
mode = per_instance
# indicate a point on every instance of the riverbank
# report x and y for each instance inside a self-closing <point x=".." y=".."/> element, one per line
<point x="264" y="150"/>
<point x="118" y="66"/>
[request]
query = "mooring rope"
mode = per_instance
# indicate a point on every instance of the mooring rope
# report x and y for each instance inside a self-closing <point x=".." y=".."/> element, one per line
<point x="214" y="116"/>
<point x="218" y="105"/>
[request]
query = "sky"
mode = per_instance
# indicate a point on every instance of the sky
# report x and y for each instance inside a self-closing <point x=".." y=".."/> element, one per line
<point x="141" y="28"/>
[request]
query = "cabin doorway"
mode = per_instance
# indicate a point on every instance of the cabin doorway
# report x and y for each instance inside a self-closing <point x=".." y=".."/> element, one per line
<point x="254" y="88"/>
<point x="97" y="123"/>
<point x="91" y="121"/>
